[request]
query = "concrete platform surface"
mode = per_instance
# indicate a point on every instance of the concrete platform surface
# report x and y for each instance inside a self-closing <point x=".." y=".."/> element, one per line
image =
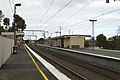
<point x="21" y="67"/>
<point x="111" y="53"/>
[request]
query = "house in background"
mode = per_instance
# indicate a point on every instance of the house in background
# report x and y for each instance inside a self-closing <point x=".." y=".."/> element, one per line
<point x="69" y="41"/>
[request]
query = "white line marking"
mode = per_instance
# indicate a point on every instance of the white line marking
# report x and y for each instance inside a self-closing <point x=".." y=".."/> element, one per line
<point x="81" y="52"/>
<point x="108" y="50"/>
<point x="50" y="67"/>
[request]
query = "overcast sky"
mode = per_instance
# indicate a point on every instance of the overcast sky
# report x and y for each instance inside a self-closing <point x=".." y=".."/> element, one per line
<point x="33" y="11"/>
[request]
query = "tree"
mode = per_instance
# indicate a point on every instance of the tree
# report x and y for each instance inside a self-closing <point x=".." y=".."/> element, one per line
<point x="86" y="44"/>
<point x="6" y="22"/>
<point x="101" y="41"/>
<point x="1" y="27"/>
<point x="118" y="43"/>
<point x="1" y="15"/>
<point x="41" y="40"/>
<point x="10" y="29"/>
<point x="20" y="22"/>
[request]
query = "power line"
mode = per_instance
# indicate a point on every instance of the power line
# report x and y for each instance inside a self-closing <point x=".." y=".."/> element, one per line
<point x="11" y="6"/>
<point x="57" y="12"/>
<point x="106" y="13"/>
<point x="105" y="24"/>
<point x="13" y="2"/>
<point x="93" y="18"/>
<point x="4" y="7"/>
<point x="106" y="30"/>
<point x="109" y="23"/>
<point x="77" y="12"/>
<point x="76" y="23"/>
<point x="46" y="11"/>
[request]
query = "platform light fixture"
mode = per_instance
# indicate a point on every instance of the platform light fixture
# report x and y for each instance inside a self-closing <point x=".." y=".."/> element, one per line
<point x="93" y="32"/>
<point x="14" y="26"/>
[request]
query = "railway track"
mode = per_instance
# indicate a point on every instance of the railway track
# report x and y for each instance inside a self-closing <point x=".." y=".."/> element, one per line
<point x="72" y="74"/>
<point x="75" y="67"/>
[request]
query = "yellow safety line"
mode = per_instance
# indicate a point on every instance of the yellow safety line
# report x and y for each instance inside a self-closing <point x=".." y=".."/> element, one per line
<point x="45" y="77"/>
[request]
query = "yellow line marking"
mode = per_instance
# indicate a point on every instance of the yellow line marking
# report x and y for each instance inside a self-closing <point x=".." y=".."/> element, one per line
<point x="45" y="77"/>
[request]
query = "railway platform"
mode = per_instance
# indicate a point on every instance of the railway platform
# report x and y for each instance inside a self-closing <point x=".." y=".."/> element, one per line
<point x="22" y="66"/>
<point x="105" y="52"/>
<point x="39" y="65"/>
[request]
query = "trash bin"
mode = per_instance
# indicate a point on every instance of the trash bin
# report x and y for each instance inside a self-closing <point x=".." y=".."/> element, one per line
<point x="14" y="49"/>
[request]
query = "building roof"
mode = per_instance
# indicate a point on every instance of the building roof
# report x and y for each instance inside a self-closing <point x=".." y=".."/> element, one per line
<point x="68" y="36"/>
<point x="76" y="35"/>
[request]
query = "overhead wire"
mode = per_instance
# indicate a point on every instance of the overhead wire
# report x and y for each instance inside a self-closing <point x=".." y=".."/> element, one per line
<point x="13" y="2"/>
<point x="4" y="7"/>
<point x="93" y="18"/>
<point x="46" y="11"/>
<point x="105" y="13"/>
<point x="106" y="30"/>
<point x="10" y="6"/>
<point x="77" y="12"/>
<point x="57" y="12"/>
<point x="111" y="22"/>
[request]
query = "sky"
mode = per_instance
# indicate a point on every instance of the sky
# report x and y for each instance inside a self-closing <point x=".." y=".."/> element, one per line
<point x="72" y="15"/>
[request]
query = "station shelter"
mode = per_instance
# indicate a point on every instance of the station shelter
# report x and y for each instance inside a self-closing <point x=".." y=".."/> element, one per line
<point x="69" y="41"/>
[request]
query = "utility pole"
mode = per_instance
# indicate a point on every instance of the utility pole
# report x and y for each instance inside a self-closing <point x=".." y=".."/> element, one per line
<point x="72" y="32"/>
<point x="61" y="41"/>
<point x="93" y="32"/>
<point x="44" y="35"/>
<point x="69" y="32"/>
<point x="60" y="31"/>
<point x="47" y="34"/>
<point x="118" y="31"/>
<point x="60" y="36"/>
<point x="14" y="26"/>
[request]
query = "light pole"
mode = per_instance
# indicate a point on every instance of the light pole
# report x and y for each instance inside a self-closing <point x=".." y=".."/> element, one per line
<point x="14" y="26"/>
<point x="93" y="31"/>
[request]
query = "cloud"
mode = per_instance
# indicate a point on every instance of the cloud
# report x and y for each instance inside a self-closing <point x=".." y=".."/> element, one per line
<point x="33" y="10"/>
